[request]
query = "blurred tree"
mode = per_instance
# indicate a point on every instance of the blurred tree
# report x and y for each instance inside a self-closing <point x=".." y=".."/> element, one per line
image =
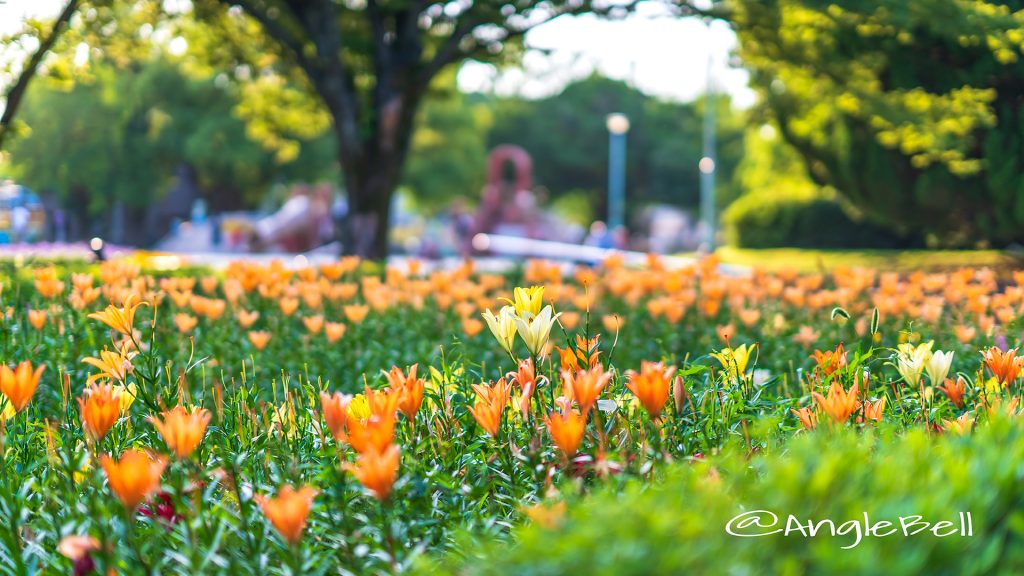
<point x="44" y="39"/>
<point x="120" y="137"/>
<point x="568" y="140"/>
<point x="910" y="109"/>
<point x="448" y="153"/>
<point x="371" y="64"/>
<point x="111" y="48"/>
<point x="368" y="64"/>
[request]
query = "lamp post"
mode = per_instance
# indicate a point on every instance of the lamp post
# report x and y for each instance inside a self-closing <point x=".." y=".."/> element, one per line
<point x="618" y="126"/>
<point x="707" y="161"/>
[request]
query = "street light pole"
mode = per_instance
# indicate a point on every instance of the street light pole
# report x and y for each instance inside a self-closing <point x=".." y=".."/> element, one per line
<point x="707" y="162"/>
<point x="618" y="126"/>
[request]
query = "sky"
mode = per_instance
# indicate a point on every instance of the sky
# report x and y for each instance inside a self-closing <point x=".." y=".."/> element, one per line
<point x="659" y="55"/>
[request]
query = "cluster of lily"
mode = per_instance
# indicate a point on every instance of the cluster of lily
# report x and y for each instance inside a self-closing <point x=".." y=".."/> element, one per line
<point x="922" y="371"/>
<point x="552" y="392"/>
<point x="330" y="298"/>
<point x="365" y="422"/>
<point x="583" y="376"/>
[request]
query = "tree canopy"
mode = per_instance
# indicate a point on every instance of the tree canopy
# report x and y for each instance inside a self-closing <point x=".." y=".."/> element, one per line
<point x="911" y="110"/>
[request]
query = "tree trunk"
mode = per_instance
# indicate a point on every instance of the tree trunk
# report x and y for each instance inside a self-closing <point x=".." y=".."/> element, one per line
<point x="372" y="169"/>
<point x="370" y="190"/>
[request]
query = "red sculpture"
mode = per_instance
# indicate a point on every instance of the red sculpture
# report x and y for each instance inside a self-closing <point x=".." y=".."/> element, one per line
<point x="508" y="207"/>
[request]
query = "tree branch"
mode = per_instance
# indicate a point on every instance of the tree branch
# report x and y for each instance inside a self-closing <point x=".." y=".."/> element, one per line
<point x="451" y="50"/>
<point x="292" y="43"/>
<point x="17" y="91"/>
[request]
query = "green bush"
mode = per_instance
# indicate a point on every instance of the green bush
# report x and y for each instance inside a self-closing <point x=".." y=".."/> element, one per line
<point x="800" y="219"/>
<point x="576" y="206"/>
<point x="677" y="526"/>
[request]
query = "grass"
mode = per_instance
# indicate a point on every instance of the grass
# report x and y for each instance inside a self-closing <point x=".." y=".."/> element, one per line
<point x="774" y="259"/>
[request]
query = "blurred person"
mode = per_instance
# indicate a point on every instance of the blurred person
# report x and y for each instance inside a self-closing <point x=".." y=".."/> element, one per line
<point x="322" y="214"/>
<point x="461" y="223"/>
<point x="620" y="238"/>
<point x="19" y="222"/>
<point x="598" y="236"/>
<point x="216" y="230"/>
<point x="297" y="225"/>
<point x="489" y="213"/>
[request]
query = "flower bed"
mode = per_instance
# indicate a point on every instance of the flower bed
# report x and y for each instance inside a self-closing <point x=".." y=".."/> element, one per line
<point x="265" y="420"/>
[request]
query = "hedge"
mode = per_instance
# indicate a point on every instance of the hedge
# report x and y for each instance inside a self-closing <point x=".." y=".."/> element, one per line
<point x="800" y="219"/>
<point x="678" y="525"/>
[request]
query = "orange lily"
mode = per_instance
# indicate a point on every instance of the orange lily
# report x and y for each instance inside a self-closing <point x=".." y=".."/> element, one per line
<point x="1005" y="366"/>
<point x="585" y="386"/>
<point x="246" y="318"/>
<point x="259" y="338"/>
<point x="19" y="384"/>
<point x="182" y="430"/>
<point x="490" y="404"/>
<point x="114" y="365"/>
<point x="375" y="433"/>
<point x="185" y="323"/>
<point x="568" y="358"/>
<point x="334" y="331"/>
<point x="289" y="510"/>
<point x="487" y="414"/>
<point x="100" y="406"/>
<point x="409" y="389"/>
<point x="134" y="477"/>
<point x="960" y="426"/>
<point x="335" y="411"/>
<point x="955" y="390"/>
<point x="872" y="410"/>
<point x="566" y="430"/>
<point x="808" y="417"/>
<point x="314" y="324"/>
<point x="651" y="385"/>
<point x="355" y="312"/>
<point x="840" y="403"/>
<point x="377" y="470"/>
<point x="830" y="361"/>
<point x="526" y="378"/>
<point x="37" y="318"/>
<point x="382" y="402"/>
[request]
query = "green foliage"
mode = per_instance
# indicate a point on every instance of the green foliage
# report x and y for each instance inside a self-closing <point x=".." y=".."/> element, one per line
<point x="574" y="206"/>
<point x="566" y="136"/>
<point x="801" y="218"/>
<point x="908" y="109"/>
<point x="266" y="426"/>
<point x="678" y="526"/>
<point x="120" y="137"/>
<point x="448" y="155"/>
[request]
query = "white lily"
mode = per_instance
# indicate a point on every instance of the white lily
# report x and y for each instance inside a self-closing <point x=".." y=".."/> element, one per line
<point x="503" y="326"/>
<point x="938" y="366"/>
<point x="535" y="331"/>
<point x="911" y="361"/>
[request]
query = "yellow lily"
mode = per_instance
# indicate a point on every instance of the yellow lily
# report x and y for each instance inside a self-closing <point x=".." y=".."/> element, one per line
<point x="127" y="395"/>
<point x="120" y="319"/>
<point x="734" y="360"/>
<point x="114" y="365"/>
<point x="527" y="301"/>
<point x="358" y="408"/>
<point x="8" y="410"/>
